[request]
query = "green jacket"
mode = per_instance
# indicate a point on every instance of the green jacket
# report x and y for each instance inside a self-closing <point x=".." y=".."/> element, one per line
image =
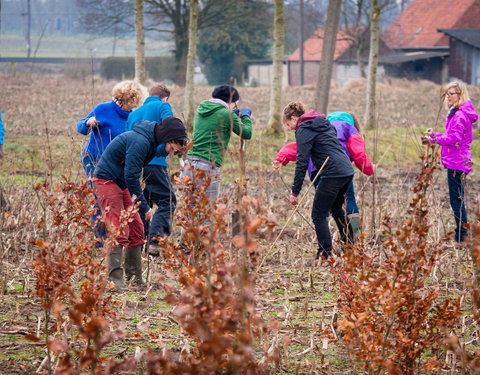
<point x="212" y="127"/>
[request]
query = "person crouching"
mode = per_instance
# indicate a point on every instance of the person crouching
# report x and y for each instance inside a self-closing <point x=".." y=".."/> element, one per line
<point x="116" y="182"/>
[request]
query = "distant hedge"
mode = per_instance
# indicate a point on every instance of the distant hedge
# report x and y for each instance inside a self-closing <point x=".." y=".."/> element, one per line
<point x="161" y="68"/>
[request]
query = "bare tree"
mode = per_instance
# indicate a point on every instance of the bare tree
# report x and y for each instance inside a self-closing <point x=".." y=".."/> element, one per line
<point x="29" y="27"/>
<point x="140" y="42"/>
<point x="191" y="58"/>
<point x="370" y="111"/>
<point x="274" y="121"/>
<point x="355" y="30"/>
<point x="322" y="90"/>
<point x="302" y="40"/>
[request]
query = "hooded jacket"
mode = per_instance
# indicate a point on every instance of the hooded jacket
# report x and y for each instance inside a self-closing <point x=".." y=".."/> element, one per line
<point x="317" y="139"/>
<point x="153" y="109"/>
<point x="457" y="138"/>
<point x="212" y="128"/>
<point x="112" y="120"/>
<point x="349" y="138"/>
<point x="124" y="158"/>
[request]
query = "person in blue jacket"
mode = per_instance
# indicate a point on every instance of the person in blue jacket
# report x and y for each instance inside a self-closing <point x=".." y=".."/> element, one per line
<point x="104" y="123"/>
<point x="116" y="182"/>
<point x="157" y="189"/>
<point x="2" y="134"/>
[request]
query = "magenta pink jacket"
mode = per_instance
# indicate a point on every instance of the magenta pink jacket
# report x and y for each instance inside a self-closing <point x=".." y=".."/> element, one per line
<point x="457" y="138"/>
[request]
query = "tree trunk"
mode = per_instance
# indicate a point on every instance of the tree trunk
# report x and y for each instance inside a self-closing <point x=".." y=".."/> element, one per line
<point x="360" y="52"/>
<point x="370" y="112"/>
<point x="140" y="42"/>
<point x="29" y="27"/>
<point x="180" y="58"/>
<point x="328" y="53"/>
<point x="190" y="69"/>
<point x="275" y="121"/>
<point x="302" y="37"/>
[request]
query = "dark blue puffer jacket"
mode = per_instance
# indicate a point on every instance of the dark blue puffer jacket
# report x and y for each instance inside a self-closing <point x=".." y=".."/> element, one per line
<point x="126" y="155"/>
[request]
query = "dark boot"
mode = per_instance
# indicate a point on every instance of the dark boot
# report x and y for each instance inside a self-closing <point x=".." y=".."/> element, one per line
<point x="355" y="226"/>
<point x="133" y="264"/>
<point x="115" y="270"/>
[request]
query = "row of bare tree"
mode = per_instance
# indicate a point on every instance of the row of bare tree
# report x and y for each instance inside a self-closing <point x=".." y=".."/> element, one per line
<point x="325" y="68"/>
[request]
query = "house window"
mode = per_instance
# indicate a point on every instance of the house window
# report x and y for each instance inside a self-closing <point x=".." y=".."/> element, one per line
<point x="418" y="67"/>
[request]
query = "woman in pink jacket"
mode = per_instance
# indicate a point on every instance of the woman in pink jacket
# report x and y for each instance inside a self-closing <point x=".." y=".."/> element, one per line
<point x="456" y="155"/>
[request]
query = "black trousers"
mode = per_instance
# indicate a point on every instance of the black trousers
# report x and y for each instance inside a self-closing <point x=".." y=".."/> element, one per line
<point x="159" y="191"/>
<point x="329" y="199"/>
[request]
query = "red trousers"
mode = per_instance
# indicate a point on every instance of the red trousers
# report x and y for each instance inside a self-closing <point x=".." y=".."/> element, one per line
<point x="113" y="201"/>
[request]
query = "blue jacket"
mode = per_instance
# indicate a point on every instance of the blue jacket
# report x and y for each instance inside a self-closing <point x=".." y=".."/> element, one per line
<point x="124" y="158"/>
<point x="112" y="120"/>
<point x="2" y="130"/>
<point x="153" y="109"/>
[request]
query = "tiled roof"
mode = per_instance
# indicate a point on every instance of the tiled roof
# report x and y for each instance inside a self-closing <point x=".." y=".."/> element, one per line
<point x="417" y="26"/>
<point x="312" y="47"/>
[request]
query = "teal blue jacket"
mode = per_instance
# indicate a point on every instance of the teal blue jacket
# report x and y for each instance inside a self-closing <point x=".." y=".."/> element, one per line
<point x="155" y="110"/>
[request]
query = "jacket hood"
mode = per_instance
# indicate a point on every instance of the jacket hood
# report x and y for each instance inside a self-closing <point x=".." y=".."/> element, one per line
<point x="317" y="124"/>
<point x="152" y="99"/>
<point x="207" y="108"/>
<point x="146" y="128"/>
<point x="469" y="111"/>
<point x="309" y="116"/>
<point x="341" y="116"/>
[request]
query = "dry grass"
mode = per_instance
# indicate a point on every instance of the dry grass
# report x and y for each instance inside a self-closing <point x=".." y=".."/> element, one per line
<point x="300" y="298"/>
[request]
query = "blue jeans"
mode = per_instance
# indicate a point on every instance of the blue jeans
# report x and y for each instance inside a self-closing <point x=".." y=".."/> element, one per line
<point x="329" y="198"/>
<point x="211" y="170"/>
<point x="456" y="191"/>
<point x="352" y="207"/>
<point x="159" y="191"/>
<point x="99" y="230"/>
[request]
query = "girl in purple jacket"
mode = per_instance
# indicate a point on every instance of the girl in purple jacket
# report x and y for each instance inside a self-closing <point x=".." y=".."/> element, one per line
<point x="456" y="155"/>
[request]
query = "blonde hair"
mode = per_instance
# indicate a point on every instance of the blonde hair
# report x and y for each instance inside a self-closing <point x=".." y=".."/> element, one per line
<point x="128" y="92"/>
<point x="461" y="89"/>
<point x="293" y="109"/>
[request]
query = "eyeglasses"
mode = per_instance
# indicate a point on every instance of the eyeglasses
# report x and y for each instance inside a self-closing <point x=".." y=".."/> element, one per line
<point x="451" y="93"/>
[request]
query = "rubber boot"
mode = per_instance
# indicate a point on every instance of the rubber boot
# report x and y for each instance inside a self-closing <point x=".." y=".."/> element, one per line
<point x="133" y="264"/>
<point x="115" y="270"/>
<point x="354" y="221"/>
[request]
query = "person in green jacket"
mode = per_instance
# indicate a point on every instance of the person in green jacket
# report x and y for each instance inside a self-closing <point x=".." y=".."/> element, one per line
<point x="214" y="122"/>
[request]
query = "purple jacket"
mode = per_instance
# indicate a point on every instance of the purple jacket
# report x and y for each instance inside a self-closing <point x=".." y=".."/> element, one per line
<point x="457" y="138"/>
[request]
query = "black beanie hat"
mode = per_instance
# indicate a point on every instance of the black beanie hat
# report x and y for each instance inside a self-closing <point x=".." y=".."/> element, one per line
<point x="170" y="129"/>
<point x="227" y="93"/>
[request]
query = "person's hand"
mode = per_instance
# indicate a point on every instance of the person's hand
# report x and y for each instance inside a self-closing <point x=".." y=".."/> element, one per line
<point x="276" y="165"/>
<point x="293" y="199"/>
<point x="429" y="132"/>
<point x="92" y="121"/>
<point x="245" y="112"/>
<point x="148" y="215"/>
